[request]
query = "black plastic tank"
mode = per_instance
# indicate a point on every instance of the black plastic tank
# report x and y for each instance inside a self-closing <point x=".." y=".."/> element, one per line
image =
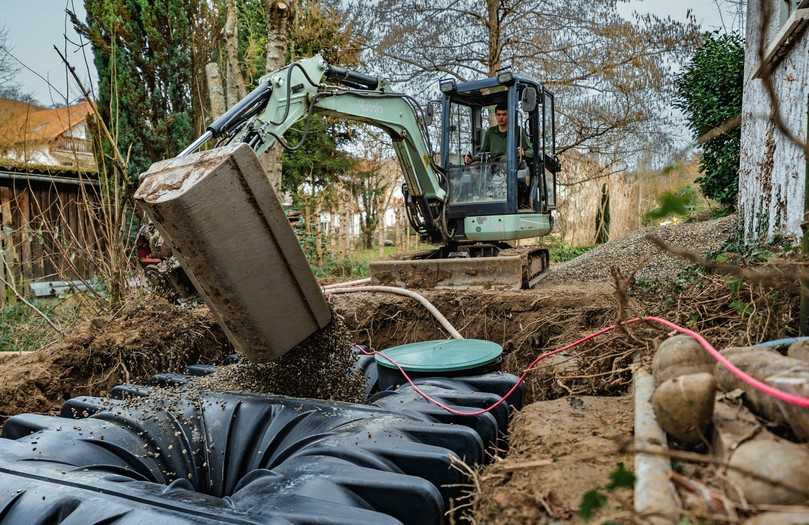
<point x="146" y="456"/>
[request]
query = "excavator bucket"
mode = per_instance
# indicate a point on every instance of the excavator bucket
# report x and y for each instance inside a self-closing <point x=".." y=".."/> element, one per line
<point x="224" y="223"/>
<point x="511" y="269"/>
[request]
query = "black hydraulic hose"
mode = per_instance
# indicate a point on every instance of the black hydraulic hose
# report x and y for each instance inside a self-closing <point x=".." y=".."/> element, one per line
<point x="289" y="91"/>
<point x="249" y="106"/>
<point x="352" y="77"/>
<point x="235" y="114"/>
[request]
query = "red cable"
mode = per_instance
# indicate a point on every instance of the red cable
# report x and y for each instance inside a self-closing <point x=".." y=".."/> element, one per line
<point x="792" y="399"/>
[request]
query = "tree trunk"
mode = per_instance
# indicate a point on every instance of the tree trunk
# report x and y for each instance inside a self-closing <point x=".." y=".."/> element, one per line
<point x="397" y="233"/>
<point x="279" y="13"/>
<point x="235" y="82"/>
<point x="332" y="231"/>
<point x="347" y="233"/>
<point x="216" y="93"/>
<point x="307" y="218"/>
<point x="318" y="233"/>
<point x="381" y="230"/>
<point x="493" y="25"/>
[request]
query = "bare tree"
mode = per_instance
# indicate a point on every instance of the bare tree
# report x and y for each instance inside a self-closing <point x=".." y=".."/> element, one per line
<point x="7" y="67"/>
<point x="8" y="72"/>
<point x="236" y="89"/>
<point x="611" y="74"/>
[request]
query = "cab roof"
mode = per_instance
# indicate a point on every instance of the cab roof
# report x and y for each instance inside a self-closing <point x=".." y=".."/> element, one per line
<point x="487" y="91"/>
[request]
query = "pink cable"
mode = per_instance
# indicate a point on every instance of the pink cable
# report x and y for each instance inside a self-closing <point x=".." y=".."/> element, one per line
<point x="786" y="397"/>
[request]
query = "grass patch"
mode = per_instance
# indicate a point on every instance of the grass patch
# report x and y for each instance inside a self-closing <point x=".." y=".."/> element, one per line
<point x="23" y="330"/>
<point x="562" y="252"/>
<point x="356" y="265"/>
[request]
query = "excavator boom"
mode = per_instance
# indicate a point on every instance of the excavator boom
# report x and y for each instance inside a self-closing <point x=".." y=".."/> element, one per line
<point x="287" y="96"/>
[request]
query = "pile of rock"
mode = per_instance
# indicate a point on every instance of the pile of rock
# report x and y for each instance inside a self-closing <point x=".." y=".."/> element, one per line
<point x="635" y="254"/>
<point x="704" y="407"/>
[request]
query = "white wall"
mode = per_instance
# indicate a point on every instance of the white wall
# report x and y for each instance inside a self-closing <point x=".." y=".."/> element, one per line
<point x="772" y="170"/>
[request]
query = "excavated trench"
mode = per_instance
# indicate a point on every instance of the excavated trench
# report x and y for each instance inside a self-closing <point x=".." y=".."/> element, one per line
<point x="562" y="443"/>
<point x="524" y="323"/>
<point x="142" y="339"/>
<point x="179" y="450"/>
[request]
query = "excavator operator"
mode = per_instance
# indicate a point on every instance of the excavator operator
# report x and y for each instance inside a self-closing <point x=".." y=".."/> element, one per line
<point x="494" y="143"/>
<point x="494" y="140"/>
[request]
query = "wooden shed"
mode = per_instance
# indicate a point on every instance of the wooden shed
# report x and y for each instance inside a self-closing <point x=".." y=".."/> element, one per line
<point x="45" y="226"/>
<point x="48" y="184"/>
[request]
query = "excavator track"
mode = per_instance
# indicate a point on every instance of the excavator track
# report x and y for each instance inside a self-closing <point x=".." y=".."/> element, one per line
<point x="536" y="262"/>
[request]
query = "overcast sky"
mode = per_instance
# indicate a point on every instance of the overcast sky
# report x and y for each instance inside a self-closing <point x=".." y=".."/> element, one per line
<point x="35" y="26"/>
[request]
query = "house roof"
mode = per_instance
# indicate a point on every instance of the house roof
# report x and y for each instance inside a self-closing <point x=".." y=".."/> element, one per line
<point x="22" y="122"/>
<point x="7" y="165"/>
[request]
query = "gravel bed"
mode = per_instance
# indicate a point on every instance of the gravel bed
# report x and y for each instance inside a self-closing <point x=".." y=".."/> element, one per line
<point x="634" y="253"/>
<point x="318" y="368"/>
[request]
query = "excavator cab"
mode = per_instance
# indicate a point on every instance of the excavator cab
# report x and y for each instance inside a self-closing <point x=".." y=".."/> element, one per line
<point x="497" y="195"/>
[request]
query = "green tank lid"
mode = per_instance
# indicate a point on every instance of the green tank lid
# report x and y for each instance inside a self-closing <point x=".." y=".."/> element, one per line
<point x="445" y="355"/>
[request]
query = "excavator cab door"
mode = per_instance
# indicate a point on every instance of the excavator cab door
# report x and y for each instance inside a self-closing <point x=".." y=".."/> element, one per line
<point x="549" y="161"/>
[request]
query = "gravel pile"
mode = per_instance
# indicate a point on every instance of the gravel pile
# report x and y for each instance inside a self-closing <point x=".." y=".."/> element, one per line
<point x="635" y="253"/>
<point x="320" y="368"/>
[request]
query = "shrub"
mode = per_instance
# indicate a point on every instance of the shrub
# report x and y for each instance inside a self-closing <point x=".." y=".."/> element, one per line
<point x="709" y="92"/>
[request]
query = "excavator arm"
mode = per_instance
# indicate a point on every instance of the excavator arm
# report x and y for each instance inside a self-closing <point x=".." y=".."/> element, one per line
<point x="286" y="96"/>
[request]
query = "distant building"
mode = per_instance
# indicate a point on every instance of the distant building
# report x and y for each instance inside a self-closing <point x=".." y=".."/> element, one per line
<point x="41" y="138"/>
<point x="47" y="180"/>
<point x="773" y="170"/>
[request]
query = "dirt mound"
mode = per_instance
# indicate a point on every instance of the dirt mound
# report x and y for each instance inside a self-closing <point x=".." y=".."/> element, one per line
<point x="634" y="253"/>
<point x="143" y="339"/>
<point x="514" y="319"/>
<point x="559" y="451"/>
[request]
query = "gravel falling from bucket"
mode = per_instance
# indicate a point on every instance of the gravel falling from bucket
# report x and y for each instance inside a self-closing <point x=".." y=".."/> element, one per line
<point x="319" y="368"/>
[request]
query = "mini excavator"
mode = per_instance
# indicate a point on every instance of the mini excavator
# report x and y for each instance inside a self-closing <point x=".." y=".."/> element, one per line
<point x="471" y="198"/>
<point x="469" y="202"/>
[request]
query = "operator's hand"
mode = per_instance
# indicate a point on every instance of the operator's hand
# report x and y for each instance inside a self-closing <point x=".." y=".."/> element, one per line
<point x="520" y="152"/>
<point x="467" y="159"/>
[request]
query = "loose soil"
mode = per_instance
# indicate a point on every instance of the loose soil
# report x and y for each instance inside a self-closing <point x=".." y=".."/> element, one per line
<point x="524" y="322"/>
<point x="514" y="319"/>
<point x="144" y="339"/>
<point x="560" y="450"/>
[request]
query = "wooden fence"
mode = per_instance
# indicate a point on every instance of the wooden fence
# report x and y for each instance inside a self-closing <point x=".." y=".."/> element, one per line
<point x="45" y="229"/>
